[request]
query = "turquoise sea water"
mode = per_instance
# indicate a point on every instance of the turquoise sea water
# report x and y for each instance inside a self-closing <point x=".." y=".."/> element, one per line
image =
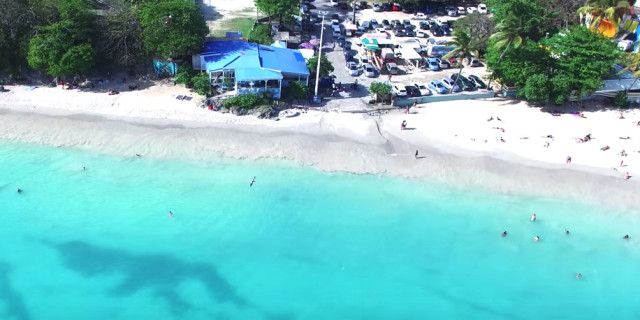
<point x="299" y="244"/>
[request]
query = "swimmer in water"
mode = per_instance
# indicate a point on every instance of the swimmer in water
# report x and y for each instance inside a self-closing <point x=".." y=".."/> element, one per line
<point x="626" y="237"/>
<point x="566" y="232"/>
<point x="578" y="275"/>
<point x="536" y="238"/>
<point x="252" y="182"/>
<point x="19" y="190"/>
<point x="504" y="234"/>
<point x="170" y="214"/>
<point x="533" y="217"/>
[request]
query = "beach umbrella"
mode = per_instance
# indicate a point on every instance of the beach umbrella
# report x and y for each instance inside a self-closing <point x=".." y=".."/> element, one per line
<point x="307" y="45"/>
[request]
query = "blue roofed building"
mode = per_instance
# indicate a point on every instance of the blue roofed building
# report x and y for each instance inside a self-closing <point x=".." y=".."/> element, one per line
<point x="246" y="67"/>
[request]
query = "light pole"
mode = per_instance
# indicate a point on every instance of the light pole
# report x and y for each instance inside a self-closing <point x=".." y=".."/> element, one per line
<point x="316" y="99"/>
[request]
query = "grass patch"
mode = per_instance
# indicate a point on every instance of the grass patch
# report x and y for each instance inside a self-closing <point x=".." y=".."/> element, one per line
<point x="235" y="24"/>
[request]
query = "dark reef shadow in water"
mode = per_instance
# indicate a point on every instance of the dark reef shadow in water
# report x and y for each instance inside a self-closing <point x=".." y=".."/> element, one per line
<point x="15" y="307"/>
<point x="161" y="274"/>
<point x="495" y="314"/>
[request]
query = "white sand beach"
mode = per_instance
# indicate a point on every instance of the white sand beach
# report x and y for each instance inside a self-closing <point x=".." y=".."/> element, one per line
<point x="456" y="143"/>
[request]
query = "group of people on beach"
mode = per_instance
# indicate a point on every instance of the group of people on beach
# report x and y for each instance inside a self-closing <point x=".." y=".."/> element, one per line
<point x="566" y="232"/>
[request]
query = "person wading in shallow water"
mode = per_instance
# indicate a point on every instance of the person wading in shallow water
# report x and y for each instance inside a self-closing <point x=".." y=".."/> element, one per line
<point x="252" y="182"/>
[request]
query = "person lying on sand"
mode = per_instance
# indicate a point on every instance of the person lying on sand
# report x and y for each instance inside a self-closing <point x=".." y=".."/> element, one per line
<point x="492" y="119"/>
<point x="546" y="144"/>
<point x="605" y="148"/>
<point x="498" y="128"/>
<point x="624" y="138"/>
<point x="623" y="153"/>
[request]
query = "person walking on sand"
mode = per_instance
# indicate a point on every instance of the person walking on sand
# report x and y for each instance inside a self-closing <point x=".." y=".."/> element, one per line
<point x="406" y="111"/>
<point x="568" y="159"/>
<point x="416" y="155"/>
<point x="626" y="175"/>
<point x="252" y="182"/>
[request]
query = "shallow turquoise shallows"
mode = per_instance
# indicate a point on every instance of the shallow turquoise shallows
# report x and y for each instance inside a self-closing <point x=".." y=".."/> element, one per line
<point x="300" y="244"/>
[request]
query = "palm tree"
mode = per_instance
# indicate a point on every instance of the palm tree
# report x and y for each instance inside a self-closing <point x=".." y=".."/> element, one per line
<point x="612" y="10"/>
<point x="464" y="48"/>
<point x="507" y="35"/>
<point x="632" y="60"/>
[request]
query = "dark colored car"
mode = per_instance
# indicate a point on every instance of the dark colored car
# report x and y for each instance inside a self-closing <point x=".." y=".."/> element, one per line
<point x="412" y="91"/>
<point x="409" y="32"/>
<point x="478" y="82"/>
<point x="446" y="31"/>
<point x="398" y="33"/>
<point x="424" y="25"/>
<point x="407" y="9"/>
<point x="363" y="5"/>
<point x="410" y="26"/>
<point x="335" y="16"/>
<point x="396" y="22"/>
<point x="386" y="25"/>
<point x="406" y="22"/>
<point x="464" y="83"/>
<point x="385" y="7"/>
<point x="437" y="32"/>
<point x="441" y="12"/>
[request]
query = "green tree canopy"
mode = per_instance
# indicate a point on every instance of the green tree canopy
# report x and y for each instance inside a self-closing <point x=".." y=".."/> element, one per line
<point x="64" y="47"/>
<point x="278" y="8"/>
<point x="379" y="88"/>
<point x="261" y="34"/>
<point x="479" y="27"/>
<point x="120" y="41"/>
<point x="325" y="65"/>
<point x="172" y="28"/>
<point x="536" y="19"/>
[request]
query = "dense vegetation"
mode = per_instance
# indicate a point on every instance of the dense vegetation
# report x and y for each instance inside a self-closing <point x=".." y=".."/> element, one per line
<point x="67" y="37"/>
<point x="538" y="47"/>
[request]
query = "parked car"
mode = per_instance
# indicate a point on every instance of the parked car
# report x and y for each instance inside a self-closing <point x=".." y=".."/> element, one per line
<point x="471" y="10"/>
<point x="406" y="22"/>
<point x="363" y="5"/>
<point x="362" y="60"/>
<point x="424" y="91"/>
<point x="374" y="23"/>
<point x="438" y="87"/>
<point x="478" y="82"/>
<point x="474" y="62"/>
<point x="463" y="82"/>
<point x="396" y="22"/>
<point x="443" y="64"/>
<point x="335" y="23"/>
<point x="385" y="7"/>
<point x="422" y="34"/>
<point x="386" y="25"/>
<point x="482" y="8"/>
<point x="451" y="85"/>
<point x="409" y="32"/>
<point x="462" y="11"/>
<point x="335" y="16"/>
<point x="353" y="69"/>
<point x="419" y="16"/>
<point x="455" y="63"/>
<point x="313" y="17"/>
<point x="392" y="68"/>
<point x="369" y="70"/>
<point x="445" y="30"/>
<point x="399" y="32"/>
<point x="398" y="90"/>
<point x="366" y="25"/>
<point x="441" y="11"/>
<point x="334" y="3"/>
<point x="407" y="9"/>
<point x="437" y="31"/>
<point x="412" y="91"/>
<point x="423" y="25"/>
<point x="376" y="7"/>
<point x="433" y="65"/>
<point x="396" y="7"/>
<point x="452" y="12"/>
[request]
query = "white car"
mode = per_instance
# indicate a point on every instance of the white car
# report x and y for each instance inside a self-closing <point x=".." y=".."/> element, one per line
<point x="625" y="45"/>
<point x="452" y="12"/>
<point x="471" y="10"/>
<point x="482" y="8"/>
<point x="443" y="64"/>
<point x="334" y="3"/>
<point x="424" y="91"/>
<point x="376" y="7"/>
<point x="353" y="69"/>
<point x="399" y="90"/>
<point x="369" y="70"/>
<point x="461" y="11"/>
<point x="422" y="34"/>
<point x="335" y="22"/>
<point x="419" y="16"/>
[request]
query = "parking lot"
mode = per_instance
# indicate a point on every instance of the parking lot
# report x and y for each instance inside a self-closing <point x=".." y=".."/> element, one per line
<point x="408" y="74"/>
